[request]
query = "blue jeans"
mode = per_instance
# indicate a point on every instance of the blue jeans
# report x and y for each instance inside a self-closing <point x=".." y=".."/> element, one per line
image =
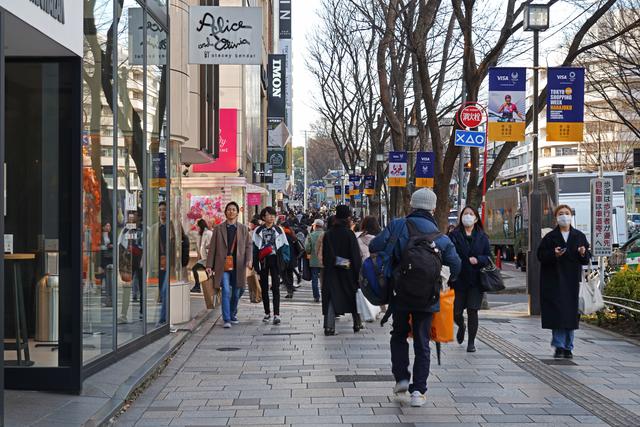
<point x="315" y="275"/>
<point x="163" y="296"/>
<point x="421" y="323"/>
<point x="562" y="338"/>
<point x="230" y="296"/>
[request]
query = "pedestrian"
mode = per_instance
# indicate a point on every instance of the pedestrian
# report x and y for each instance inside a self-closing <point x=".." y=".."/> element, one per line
<point x="341" y="261"/>
<point x="106" y="263"/>
<point x="297" y="251"/>
<point x="423" y="203"/>
<point x="158" y="235"/>
<point x="472" y="245"/>
<point x="313" y="247"/>
<point x="130" y="264"/>
<point x="270" y="255"/>
<point x="562" y="253"/>
<point x="202" y="247"/>
<point x="230" y="255"/>
<point x="368" y="230"/>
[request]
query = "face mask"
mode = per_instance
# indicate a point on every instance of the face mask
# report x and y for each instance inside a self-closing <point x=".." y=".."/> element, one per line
<point x="468" y="220"/>
<point x="564" y="220"/>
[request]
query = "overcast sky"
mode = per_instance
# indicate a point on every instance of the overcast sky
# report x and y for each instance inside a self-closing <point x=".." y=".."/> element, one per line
<point x="305" y="21"/>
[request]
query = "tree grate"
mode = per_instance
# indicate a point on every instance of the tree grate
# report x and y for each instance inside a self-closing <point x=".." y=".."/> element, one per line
<point x="592" y="401"/>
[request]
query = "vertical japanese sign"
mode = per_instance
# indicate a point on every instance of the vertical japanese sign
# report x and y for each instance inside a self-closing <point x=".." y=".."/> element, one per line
<point x="227" y="160"/>
<point x="565" y="104"/>
<point x="507" y="104"/>
<point x="369" y="185"/>
<point x="424" y="169"/>
<point x="601" y="216"/>
<point x="397" y="168"/>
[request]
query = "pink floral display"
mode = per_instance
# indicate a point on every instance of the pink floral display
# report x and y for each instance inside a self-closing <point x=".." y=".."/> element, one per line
<point x="208" y="207"/>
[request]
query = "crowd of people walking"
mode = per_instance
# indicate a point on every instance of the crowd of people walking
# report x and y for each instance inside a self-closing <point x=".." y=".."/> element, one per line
<point x="330" y="251"/>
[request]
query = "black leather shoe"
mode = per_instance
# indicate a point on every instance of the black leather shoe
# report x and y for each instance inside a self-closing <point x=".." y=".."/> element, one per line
<point x="568" y="354"/>
<point x="289" y="296"/>
<point x="559" y="353"/>
<point x="357" y="328"/>
<point x="329" y="332"/>
<point x="460" y="334"/>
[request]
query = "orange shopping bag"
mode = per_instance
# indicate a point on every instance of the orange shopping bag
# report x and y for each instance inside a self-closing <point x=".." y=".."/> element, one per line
<point x="442" y="324"/>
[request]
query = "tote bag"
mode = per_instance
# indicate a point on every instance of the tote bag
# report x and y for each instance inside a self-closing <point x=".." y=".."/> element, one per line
<point x="590" y="297"/>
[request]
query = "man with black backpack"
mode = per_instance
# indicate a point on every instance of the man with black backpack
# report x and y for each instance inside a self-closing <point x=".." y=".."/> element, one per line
<point x="416" y="252"/>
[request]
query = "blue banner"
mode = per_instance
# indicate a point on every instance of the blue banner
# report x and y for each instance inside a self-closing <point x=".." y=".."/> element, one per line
<point x="424" y="168"/>
<point x="369" y="185"/>
<point x="397" y="168"/>
<point x="565" y="104"/>
<point x="337" y="190"/>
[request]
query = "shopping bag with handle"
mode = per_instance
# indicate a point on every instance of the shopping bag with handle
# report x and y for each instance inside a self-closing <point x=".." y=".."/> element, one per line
<point x="589" y="296"/>
<point x="255" y="292"/>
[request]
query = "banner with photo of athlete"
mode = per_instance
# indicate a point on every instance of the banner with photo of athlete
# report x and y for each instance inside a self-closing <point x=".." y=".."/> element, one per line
<point x="507" y="104"/>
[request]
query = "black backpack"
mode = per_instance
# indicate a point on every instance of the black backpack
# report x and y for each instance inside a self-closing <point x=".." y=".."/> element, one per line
<point x="417" y="279"/>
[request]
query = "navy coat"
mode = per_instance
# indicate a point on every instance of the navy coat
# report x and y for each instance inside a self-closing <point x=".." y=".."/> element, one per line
<point x="469" y="276"/>
<point x="560" y="278"/>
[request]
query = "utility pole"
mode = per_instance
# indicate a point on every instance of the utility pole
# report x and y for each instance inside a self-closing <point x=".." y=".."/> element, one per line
<point x="305" y="198"/>
<point x="462" y="152"/>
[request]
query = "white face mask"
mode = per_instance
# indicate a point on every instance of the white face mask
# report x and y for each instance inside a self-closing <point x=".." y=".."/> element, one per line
<point x="564" y="220"/>
<point x="468" y="220"/>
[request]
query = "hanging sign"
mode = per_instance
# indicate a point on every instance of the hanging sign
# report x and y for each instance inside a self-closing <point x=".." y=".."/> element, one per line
<point x="369" y="185"/>
<point x="156" y="45"/>
<point x="225" y="35"/>
<point x="424" y="169"/>
<point x="253" y="199"/>
<point x="337" y="190"/>
<point x="346" y="190"/>
<point x="276" y="95"/>
<point x="507" y="104"/>
<point x="565" y="104"/>
<point x="397" y="168"/>
<point x="227" y="155"/>
<point x="354" y="181"/>
<point x="601" y="216"/>
<point x="158" y="170"/>
<point x="285" y="19"/>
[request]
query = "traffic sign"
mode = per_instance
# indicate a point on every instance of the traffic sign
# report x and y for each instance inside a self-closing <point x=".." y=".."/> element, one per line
<point x="470" y="116"/>
<point x="469" y="138"/>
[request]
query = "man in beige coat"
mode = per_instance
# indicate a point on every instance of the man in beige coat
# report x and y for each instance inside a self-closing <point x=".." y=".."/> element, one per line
<point x="230" y="254"/>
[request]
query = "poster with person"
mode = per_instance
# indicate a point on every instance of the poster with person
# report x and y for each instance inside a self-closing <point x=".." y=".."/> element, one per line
<point x="507" y="104"/>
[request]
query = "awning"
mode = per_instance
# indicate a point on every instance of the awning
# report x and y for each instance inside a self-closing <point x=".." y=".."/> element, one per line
<point x="256" y="189"/>
<point x="192" y="156"/>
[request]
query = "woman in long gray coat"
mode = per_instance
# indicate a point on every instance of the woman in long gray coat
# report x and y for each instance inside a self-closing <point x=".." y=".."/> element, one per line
<point x="341" y="260"/>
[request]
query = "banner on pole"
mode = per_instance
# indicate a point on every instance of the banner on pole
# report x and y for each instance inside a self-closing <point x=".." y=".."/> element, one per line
<point x="565" y="104"/>
<point x="369" y="185"/>
<point x="354" y="181"/>
<point x="507" y="104"/>
<point x="397" y="168"/>
<point x="337" y="190"/>
<point x="424" y="169"/>
<point x="601" y="216"/>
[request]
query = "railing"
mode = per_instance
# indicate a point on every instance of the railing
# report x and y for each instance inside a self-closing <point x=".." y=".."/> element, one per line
<point x="622" y="306"/>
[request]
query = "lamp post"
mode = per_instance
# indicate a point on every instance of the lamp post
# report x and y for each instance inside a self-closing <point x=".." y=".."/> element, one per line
<point x="361" y="164"/>
<point x="379" y="165"/>
<point x="536" y="19"/>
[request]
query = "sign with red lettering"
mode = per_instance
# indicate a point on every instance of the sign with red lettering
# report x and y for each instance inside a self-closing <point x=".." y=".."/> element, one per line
<point x="470" y="116"/>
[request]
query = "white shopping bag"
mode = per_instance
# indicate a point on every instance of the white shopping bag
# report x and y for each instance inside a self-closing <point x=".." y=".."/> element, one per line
<point x="366" y="310"/>
<point x="590" y="297"/>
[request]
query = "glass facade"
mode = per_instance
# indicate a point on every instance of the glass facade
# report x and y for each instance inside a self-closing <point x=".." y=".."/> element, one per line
<point x="130" y="246"/>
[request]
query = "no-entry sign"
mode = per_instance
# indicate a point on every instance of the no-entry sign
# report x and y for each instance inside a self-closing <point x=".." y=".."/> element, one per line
<point x="469" y="116"/>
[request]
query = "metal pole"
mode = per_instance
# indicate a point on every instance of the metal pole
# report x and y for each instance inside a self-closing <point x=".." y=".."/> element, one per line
<point x="535" y="205"/>
<point x="305" y="196"/>
<point x="462" y="153"/>
<point x="484" y="172"/>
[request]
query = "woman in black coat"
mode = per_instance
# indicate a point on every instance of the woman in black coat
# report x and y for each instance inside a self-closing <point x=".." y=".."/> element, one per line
<point x="472" y="245"/>
<point x="340" y="283"/>
<point x="562" y="253"/>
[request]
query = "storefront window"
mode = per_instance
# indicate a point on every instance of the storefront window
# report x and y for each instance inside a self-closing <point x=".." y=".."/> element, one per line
<point x="97" y="175"/>
<point x="130" y="169"/>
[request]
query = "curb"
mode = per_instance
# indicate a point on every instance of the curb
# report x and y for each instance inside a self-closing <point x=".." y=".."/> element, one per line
<point x="146" y="370"/>
<point x="610" y="333"/>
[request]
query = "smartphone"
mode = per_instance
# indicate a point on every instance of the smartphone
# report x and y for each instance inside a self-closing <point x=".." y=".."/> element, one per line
<point x="563" y="250"/>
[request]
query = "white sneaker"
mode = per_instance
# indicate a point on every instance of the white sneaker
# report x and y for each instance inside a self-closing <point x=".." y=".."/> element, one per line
<point x="227" y="325"/>
<point x="401" y="387"/>
<point x="418" y="399"/>
<point x="235" y="322"/>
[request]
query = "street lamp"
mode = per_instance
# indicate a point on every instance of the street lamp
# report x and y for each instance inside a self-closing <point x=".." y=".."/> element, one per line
<point x="379" y="166"/>
<point x="536" y="19"/>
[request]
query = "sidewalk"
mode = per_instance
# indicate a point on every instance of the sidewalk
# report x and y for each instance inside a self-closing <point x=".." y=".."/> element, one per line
<point x="257" y="374"/>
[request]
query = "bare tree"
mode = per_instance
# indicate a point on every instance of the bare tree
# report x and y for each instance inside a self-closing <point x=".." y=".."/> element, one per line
<point x="322" y="156"/>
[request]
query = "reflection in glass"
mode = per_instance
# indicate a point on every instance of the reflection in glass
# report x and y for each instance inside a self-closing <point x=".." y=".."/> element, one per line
<point x="97" y="185"/>
<point x="129" y="172"/>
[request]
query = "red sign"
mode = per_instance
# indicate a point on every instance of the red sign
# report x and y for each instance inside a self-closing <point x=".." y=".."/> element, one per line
<point x="253" y="199"/>
<point x="470" y="116"/>
<point x="226" y="161"/>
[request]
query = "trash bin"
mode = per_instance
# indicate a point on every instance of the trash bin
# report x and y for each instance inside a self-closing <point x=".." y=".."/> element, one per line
<point x="47" y="303"/>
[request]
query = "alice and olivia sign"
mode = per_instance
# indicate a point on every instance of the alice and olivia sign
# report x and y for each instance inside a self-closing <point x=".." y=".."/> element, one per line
<point x="225" y="35"/>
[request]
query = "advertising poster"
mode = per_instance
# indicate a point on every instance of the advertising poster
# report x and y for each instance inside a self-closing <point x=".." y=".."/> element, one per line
<point x="507" y="104"/>
<point x="397" y="168"/>
<point x="565" y="104"/>
<point x="227" y="155"/>
<point x="369" y="185"/>
<point x="424" y="169"/>
<point x="159" y="171"/>
<point x="337" y="190"/>
<point x="354" y="184"/>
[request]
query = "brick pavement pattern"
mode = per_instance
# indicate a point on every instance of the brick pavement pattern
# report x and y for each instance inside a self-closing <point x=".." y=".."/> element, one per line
<point x="292" y="375"/>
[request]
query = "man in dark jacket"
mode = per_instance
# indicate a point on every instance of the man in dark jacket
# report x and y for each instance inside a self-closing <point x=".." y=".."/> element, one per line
<point x="423" y="203"/>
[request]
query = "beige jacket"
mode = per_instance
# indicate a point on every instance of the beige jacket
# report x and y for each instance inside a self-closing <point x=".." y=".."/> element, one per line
<point x="218" y="249"/>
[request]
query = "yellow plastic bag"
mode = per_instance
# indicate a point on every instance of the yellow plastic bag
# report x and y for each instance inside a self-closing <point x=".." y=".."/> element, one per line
<point x="442" y="324"/>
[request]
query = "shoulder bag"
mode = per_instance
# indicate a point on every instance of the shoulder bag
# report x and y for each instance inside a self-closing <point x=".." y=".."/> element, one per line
<point x="491" y="279"/>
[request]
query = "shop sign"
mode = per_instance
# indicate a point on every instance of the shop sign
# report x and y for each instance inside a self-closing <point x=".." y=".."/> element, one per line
<point x="276" y="157"/>
<point x="277" y="104"/>
<point x="227" y="153"/>
<point x="369" y="185"/>
<point x="565" y="104"/>
<point x="397" y="168"/>
<point x="156" y="40"/>
<point x="225" y="35"/>
<point x="254" y="199"/>
<point x="601" y="216"/>
<point x="507" y="104"/>
<point x="424" y="169"/>
<point x="285" y="19"/>
<point x="55" y="8"/>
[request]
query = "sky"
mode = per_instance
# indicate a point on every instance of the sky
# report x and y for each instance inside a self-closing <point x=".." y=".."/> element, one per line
<point x="305" y="21"/>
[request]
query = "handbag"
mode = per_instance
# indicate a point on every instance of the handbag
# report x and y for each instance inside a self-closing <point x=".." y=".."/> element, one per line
<point x="589" y="296"/>
<point x="255" y="291"/>
<point x="125" y="265"/>
<point x="306" y="269"/>
<point x="208" y="291"/>
<point x="442" y="323"/>
<point x="491" y="279"/>
<point x="228" y="261"/>
<point x="366" y="310"/>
